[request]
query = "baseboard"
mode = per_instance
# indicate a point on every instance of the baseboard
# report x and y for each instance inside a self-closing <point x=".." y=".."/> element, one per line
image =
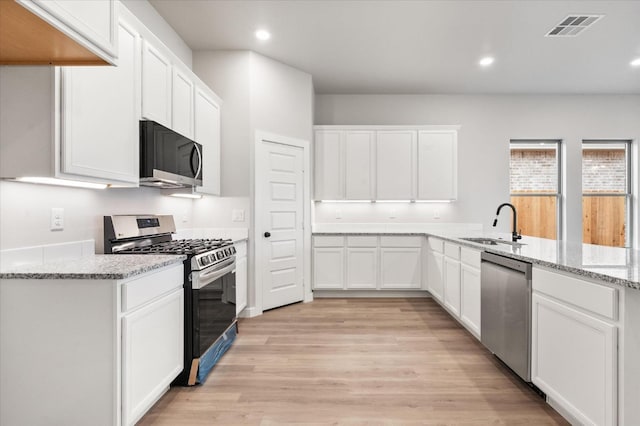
<point x="250" y="312"/>
<point x="562" y="411"/>
<point x="370" y="293"/>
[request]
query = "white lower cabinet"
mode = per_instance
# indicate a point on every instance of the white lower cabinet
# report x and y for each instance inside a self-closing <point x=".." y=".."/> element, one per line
<point x="152" y="353"/>
<point x="89" y="351"/>
<point x="470" y="289"/>
<point x="574" y="350"/>
<point x="328" y="268"/>
<point x="362" y="267"/>
<point x="400" y="268"/>
<point x="367" y="263"/>
<point x="451" y="277"/>
<point x="452" y="285"/>
<point x="435" y="260"/>
<point x="241" y="283"/>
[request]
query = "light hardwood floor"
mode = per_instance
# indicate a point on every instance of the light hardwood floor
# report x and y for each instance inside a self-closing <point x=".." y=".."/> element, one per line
<point x="355" y="362"/>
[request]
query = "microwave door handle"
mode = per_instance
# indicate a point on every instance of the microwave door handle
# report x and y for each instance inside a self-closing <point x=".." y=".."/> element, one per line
<point x="197" y="173"/>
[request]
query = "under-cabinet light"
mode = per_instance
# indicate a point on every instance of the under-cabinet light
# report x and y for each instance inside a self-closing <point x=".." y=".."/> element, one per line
<point x="434" y="201"/>
<point x="60" y="182"/>
<point x="184" y="195"/>
<point x="345" y="201"/>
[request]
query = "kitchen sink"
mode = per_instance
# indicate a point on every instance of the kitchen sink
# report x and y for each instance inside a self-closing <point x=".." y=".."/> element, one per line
<point x="492" y="241"/>
<point x="485" y="241"/>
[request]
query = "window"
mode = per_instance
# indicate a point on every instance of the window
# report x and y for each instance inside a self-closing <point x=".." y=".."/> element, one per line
<point x="606" y="193"/>
<point x="535" y="186"/>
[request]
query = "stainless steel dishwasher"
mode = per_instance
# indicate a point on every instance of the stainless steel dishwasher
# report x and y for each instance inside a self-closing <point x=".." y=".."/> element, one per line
<point x="506" y="311"/>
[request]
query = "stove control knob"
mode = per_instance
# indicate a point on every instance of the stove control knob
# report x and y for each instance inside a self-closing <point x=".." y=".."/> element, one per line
<point x="233" y="250"/>
<point x="220" y="255"/>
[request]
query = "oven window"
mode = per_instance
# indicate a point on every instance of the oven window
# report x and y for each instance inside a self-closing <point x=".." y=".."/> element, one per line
<point x="215" y="312"/>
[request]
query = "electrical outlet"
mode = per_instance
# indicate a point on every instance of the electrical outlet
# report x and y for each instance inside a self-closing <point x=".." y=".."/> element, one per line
<point x="436" y="214"/>
<point x="393" y="214"/>
<point x="338" y="214"/>
<point x="57" y="219"/>
<point x="237" y="215"/>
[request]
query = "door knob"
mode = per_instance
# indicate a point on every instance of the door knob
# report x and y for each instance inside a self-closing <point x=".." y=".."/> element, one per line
<point x="267" y="234"/>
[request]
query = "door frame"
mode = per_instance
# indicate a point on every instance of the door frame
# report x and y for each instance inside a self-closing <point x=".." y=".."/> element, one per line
<point x="257" y="224"/>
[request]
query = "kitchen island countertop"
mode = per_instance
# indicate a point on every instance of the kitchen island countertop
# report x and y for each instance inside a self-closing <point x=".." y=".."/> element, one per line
<point x="97" y="267"/>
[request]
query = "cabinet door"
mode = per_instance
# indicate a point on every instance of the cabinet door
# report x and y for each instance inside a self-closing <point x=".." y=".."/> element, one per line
<point x="93" y="24"/>
<point x="437" y="165"/>
<point x="574" y="360"/>
<point x="99" y="112"/>
<point x="452" y="285"/>
<point x="395" y="165"/>
<point x="359" y="153"/>
<point x="156" y="85"/>
<point x="328" y="268"/>
<point x="152" y="353"/>
<point x="470" y="298"/>
<point x="207" y="133"/>
<point x="241" y="284"/>
<point x="400" y="268"/>
<point x="435" y="283"/>
<point x="182" y="103"/>
<point x="362" y="268"/>
<point x="329" y="165"/>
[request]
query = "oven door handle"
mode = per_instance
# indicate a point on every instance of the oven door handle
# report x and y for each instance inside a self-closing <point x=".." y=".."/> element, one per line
<point x="209" y="277"/>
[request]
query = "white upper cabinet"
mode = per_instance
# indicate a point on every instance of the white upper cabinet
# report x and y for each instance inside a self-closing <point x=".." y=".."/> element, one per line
<point x="359" y="156"/>
<point x="207" y="133"/>
<point x="396" y="165"/>
<point x="329" y="180"/>
<point x="92" y="24"/>
<point x="437" y="165"/>
<point x="182" y="102"/>
<point x="386" y="163"/>
<point x="95" y="99"/>
<point x="157" y="76"/>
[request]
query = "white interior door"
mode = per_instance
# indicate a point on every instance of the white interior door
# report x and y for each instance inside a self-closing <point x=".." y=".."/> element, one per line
<point x="281" y="210"/>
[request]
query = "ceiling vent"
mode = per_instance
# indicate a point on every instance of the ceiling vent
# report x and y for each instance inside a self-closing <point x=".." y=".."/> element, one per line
<point x="573" y="25"/>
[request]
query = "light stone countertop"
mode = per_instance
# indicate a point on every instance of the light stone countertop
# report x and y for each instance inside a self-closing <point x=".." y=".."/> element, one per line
<point x="613" y="265"/>
<point x="97" y="267"/>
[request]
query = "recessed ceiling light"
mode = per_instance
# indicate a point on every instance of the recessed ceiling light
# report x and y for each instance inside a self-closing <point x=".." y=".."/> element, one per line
<point x="486" y="61"/>
<point x="635" y="62"/>
<point x="263" y="35"/>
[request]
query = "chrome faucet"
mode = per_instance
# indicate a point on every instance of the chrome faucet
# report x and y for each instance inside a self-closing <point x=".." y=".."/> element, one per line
<point x="515" y="235"/>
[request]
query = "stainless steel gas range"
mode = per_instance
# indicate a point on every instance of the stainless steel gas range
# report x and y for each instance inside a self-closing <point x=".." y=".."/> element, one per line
<point x="209" y="284"/>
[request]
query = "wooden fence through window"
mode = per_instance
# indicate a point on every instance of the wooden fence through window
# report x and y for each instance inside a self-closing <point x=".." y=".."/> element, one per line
<point x="603" y="218"/>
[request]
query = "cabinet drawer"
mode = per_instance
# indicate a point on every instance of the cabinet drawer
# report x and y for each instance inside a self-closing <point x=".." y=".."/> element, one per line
<point x="139" y="291"/>
<point x="470" y="257"/>
<point x="436" y="244"/>
<point x="401" y="241"/>
<point x="595" y="298"/>
<point x="452" y="251"/>
<point x="362" y="241"/>
<point x="328" y="241"/>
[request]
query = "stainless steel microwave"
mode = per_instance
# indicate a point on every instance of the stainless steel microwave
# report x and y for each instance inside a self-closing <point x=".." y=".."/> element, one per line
<point x="168" y="159"/>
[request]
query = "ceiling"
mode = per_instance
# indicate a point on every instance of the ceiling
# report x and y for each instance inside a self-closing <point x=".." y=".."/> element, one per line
<point x="419" y="47"/>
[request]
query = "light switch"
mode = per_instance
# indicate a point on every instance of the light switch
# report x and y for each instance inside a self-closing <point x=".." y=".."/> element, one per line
<point x="57" y="219"/>
<point x="237" y="215"/>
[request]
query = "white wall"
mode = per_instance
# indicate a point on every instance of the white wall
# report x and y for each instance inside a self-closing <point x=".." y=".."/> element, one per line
<point x="25" y="211"/>
<point x="259" y="94"/>
<point x="228" y="74"/>
<point x="146" y="13"/>
<point x="488" y="123"/>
